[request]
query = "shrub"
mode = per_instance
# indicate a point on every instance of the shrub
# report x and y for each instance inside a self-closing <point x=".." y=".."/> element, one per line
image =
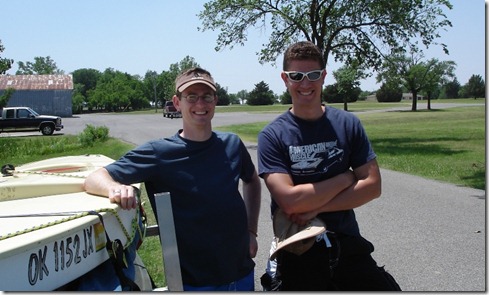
<point x="389" y="93"/>
<point x="92" y="134"/>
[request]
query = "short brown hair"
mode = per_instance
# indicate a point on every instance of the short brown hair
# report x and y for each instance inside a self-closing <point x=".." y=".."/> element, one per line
<point x="304" y="50"/>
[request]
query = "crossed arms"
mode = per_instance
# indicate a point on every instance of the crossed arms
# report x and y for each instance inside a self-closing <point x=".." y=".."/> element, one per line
<point x="345" y="191"/>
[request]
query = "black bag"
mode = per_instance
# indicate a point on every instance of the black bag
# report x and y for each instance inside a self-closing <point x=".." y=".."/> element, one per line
<point x="390" y="279"/>
<point x="343" y="247"/>
<point x="270" y="284"/>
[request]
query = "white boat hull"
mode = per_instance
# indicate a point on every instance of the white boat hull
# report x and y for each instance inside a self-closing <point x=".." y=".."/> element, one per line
<point x="49" y="240"/>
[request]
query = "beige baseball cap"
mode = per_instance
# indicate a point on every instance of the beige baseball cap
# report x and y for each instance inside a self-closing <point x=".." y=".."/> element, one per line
<point x="292" y="237"/>
<point x="194" y="77"/>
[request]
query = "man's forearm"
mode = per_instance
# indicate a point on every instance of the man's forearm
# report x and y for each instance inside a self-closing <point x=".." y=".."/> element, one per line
<point x="358" y="194"/>
<point x="101" y="183"/>
<point x="98" y="183"/>
<point x="252" y="199"/>
<point x="367" y="187"/>
<point x="312" y="196"/>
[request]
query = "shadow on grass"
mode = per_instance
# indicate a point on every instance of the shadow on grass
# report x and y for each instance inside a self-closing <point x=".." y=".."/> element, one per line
<point x="476" y="180"/>
<point x="410" y="146"/>
<point x="428" y="147"/>
<point x="417" y="111"/>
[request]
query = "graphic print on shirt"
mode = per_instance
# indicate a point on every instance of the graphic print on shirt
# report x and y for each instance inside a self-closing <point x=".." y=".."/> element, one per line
<point x="314" y="158"/>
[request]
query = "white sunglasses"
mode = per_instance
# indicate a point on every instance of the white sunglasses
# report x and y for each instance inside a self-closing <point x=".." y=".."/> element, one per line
<point x="299" y="76"/>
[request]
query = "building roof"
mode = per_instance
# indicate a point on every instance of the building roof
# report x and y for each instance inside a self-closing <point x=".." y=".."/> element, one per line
<point x="36" y="82"/>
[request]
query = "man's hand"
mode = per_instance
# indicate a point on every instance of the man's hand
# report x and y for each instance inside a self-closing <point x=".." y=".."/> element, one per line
<point x="124" y="195"/>
<point x="302" y="218"/>
<point x="253" y="245"/>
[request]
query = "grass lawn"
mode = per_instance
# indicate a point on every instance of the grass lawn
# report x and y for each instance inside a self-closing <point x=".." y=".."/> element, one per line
<point x="447" y="145"/>
<point x="358" y="106"/>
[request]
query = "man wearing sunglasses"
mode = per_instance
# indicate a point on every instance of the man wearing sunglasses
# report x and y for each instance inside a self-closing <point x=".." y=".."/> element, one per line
<point x="318" y="162"/>
<point x="215" y="226"/>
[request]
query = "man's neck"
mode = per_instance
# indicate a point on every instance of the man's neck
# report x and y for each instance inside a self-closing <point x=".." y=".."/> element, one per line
<point x="308" y="113"/>
<point x="196" y="134"/>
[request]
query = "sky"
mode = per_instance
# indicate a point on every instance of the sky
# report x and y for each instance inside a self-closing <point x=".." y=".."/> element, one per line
<point x="137" y="36"/>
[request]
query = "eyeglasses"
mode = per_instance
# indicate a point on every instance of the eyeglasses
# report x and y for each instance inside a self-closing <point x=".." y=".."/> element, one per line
<point x="299" y="76"/>
<point x="193" y="98"/>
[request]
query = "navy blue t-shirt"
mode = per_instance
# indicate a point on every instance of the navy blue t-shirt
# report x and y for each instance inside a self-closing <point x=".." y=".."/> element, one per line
<point x="208" y="209"/>
<point x="312" y="151"/>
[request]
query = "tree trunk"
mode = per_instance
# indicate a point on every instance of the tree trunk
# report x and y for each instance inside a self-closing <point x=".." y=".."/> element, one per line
<point x="155" y="99"/>
<point x="415" y="100"/>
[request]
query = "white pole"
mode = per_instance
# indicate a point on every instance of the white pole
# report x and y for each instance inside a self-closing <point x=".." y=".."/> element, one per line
<point x="168" y="240"/>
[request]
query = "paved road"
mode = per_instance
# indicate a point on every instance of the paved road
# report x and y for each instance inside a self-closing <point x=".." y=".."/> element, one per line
<point x="430" y="235"/>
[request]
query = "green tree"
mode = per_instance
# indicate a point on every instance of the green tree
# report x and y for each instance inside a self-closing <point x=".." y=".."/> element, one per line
<point x="242" y="96"/>
<point x="330" y="94"/>
<point x="450" y="89"/>
<point x="438" y="74"/>
<point x="78" y="100"/>
<point x="97" y="97"/>
<point x="363" y="30"/>
<point x="117" y="91"/>
<point x="285" y="98"/>
<point x="389" y="92"/>
<point x="261" y="95"/>
<point x="159" y="88"/>
<point x="222" y="95"/>
<point x="40" y="66"/>
<point x="5" y="63"/>
<point x="475" y="87"/>
<point x="137" y="99"/>
<point x="348" y="82"/>
<point x="233" y="98"/>
<point x="462" y="92"/>
<point x="5" y="97"/>
<point x="168" y="80"/>
<point x="364" y="94"/>
<point x="88" y="79"/>
<point x="186" y="63"/>
<point x="153" y="87"/>
<point x="413" y="73"/>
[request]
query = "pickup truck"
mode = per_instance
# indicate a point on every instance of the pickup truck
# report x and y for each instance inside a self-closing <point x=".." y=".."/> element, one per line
<point x="18" y="119"/>
<point x="170" y="111"/>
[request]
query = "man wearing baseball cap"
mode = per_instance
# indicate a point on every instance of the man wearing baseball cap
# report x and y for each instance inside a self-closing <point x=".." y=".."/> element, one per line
<point x="215" y="226"/>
